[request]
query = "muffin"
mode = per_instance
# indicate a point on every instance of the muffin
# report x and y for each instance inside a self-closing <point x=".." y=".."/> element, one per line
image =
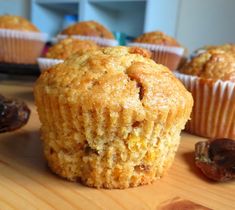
<point x="165" y="49"/>
<point x="111" y="118"/>
<point x="225" y="47"/>
<point x="230" y="48"/>
<point x="69" y="46"/>
<point x="16" y="23"/>
<point x="20" y="41"/>
<point x="63" y="49"/>
<point x="90" y="30"/>
<point x="158" y="38"/>
<point x="210" y="77"/>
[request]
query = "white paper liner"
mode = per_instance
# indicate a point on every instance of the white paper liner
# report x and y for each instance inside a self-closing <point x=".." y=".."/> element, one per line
<point x="20" y="47"/>
<point x="213" y="113"/>
<point x="153" y="47"/>
<point x="45" y="63"/>
<point x="98" y="40"/>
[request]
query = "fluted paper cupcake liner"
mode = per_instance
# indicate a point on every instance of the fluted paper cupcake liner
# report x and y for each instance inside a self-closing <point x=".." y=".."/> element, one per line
<point x="166" y="55"/>
<point x="46" y="63"/>
<point x="20" y="47"/>
<point x="100" y="41"/>
<point x="213" y="113"/>
<point x="105" y="148"/>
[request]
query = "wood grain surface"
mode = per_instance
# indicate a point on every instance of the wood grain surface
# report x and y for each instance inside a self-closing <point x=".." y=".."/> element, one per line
<point x="27" y="183"/>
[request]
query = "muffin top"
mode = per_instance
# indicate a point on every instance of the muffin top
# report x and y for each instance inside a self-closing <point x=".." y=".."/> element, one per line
<point x="88" y="28"/>
<point x="16" y="23"/>
<point x="213" y="64"/>
<point x="158" y="38"/>
<point x="66" y="47"/>
<point x="117" y="78"/>
<point x="225" y="47"/>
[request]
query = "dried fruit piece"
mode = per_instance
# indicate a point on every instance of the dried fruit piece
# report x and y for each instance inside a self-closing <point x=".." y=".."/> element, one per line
<point x="216" y="158"/>
<point x="13" y="114"/>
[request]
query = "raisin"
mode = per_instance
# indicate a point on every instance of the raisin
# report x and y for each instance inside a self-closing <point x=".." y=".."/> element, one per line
<point x="216" y="158"/>
<point x="13" y="114"/>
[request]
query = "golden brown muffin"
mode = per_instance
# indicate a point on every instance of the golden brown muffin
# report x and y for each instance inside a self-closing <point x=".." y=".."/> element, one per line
<point x="88" y="28"/>
<point x="165" y="49"/>
<point x="213" y="90"/>
<point x="212" y="64"/>
<point x="111" y="118"/>
<point x="158" y="38"/>
<point x="230" y="48"/>
<point x="69" y="46"/>
<point x="225" y="47"/>
<point x="20" y="41"/>
<point x="16" y="23"/>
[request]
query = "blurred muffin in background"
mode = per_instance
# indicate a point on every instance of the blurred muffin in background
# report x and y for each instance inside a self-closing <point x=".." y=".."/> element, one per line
<point x="158" y="38"/>
<point x="90" y="30"/>
<point x="230" y="48"/>
<point x="111" y="118"/>
<point x="165" y="49"/>
<point x="210" y="77"/>
<point x="16" y="23"/>
<point x="66" y="47"/>
<point x="215" y="64"/>
<point x="21" y="42"/>
<point x="225" y="47"/>
<point x="63" y="49"/>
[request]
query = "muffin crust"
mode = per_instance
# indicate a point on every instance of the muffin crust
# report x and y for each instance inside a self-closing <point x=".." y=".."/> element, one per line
<point x="69" y="46"/>
<point x="108" y="68"/>
<point x="158" y="38"/>
<point x="88" y="28"/>
<point x="16" y="23"/>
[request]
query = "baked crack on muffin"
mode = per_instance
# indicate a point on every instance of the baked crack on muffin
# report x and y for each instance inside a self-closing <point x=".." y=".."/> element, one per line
<point x="111" y="118"/>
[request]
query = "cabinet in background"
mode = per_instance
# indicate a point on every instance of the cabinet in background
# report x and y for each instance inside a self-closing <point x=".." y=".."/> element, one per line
<point x="131" y="17"/>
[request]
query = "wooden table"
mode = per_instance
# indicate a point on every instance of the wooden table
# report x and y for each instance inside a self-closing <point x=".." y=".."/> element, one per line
<point x="27" y="183"/>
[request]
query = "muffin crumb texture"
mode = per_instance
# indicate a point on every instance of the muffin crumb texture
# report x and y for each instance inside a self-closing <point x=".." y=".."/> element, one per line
<point x="111" y="118"/>
<point x="16" y="23"/>
<point x="88" y="28"/>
